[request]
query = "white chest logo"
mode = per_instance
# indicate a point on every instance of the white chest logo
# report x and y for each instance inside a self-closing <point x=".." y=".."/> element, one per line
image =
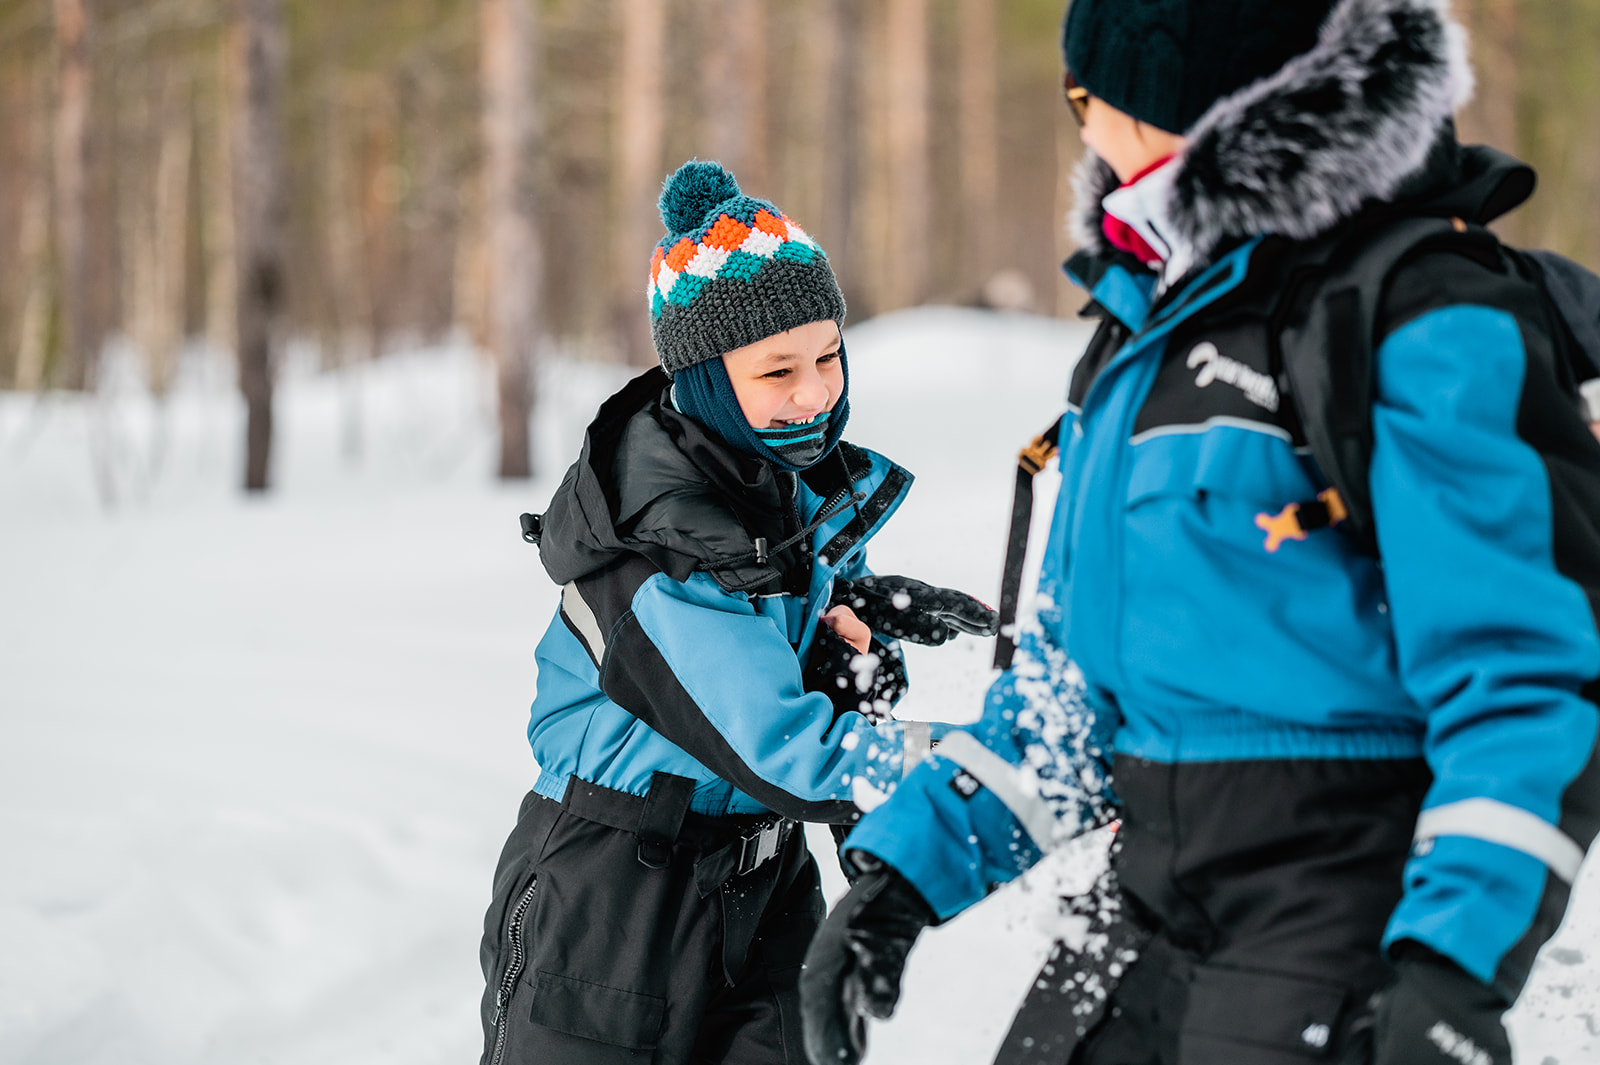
<point x="1257" y="387"/>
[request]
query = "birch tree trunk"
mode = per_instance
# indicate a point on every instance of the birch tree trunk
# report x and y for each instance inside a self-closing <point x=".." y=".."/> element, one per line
<point x="71" y="189"/>
<point x="979" y="139"/>
<point x="260" y="219"/>
<point x="906" y="63"/>
<point x="509" y="45"/>
<point x="639" y="126"/>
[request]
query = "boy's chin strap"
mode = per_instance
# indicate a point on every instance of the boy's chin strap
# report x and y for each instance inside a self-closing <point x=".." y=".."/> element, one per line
<point x="704" y="392"/>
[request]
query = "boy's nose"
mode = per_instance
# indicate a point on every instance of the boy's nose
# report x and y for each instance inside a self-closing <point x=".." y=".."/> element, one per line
<point x="811" y="391"/>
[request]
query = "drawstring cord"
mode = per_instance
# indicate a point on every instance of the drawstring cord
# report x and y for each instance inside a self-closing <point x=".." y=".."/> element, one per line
<point x="843" y="498"/>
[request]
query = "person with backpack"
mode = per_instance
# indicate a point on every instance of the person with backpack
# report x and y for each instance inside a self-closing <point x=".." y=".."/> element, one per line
<point x="1316" y="619"/>
<point x="721" y="667"/>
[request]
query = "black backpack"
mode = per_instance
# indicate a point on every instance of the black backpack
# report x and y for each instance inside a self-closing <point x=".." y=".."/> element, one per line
<point x="1330" y="304"/>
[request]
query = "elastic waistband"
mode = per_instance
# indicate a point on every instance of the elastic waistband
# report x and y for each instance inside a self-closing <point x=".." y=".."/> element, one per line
<point x="622" y="811"/>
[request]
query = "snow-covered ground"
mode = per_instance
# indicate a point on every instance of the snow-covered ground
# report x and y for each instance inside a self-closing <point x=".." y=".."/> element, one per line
<point x="257" y="757"/>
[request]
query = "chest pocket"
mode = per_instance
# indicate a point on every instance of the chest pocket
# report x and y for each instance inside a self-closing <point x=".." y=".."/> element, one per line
<point x="1240" y="464"/>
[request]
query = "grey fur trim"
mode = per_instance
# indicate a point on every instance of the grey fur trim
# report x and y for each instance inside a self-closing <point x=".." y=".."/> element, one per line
<point x="1336" y="127"/>
<point x="1092" y="181"/>
<point x="1304" y="148"/>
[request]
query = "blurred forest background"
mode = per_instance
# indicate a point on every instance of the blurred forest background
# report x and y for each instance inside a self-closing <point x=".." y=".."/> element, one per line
<point x="214" y="179"/>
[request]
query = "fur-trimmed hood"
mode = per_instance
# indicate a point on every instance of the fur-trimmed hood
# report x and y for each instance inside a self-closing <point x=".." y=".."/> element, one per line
<point x="1342" y="125"/>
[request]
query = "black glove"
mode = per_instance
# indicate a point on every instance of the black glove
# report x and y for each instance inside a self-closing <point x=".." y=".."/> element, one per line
<point x="854" y="965"/>
<point x="851" y="680"/>
<point x="907" y="609"/>
<point x="1435" y="1014"/>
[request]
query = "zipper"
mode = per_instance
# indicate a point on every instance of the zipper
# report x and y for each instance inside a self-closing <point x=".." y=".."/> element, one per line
<point x="513" y="971"/>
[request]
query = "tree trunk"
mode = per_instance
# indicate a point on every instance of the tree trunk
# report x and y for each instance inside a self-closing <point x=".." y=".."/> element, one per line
<point x="842" y="184"/>
<point x="809" y="147"/>
<point x="260" y="219"/>
<point x="1492" y="116"/>
<point x="979" y="139"/>
<point x="906" y="65"/>
<point x="71" y="189"/>
<point x="1069" y="151"/>
<point x="158" y="236"/>
<point x="33" y="256"/>
<point x="218" y="247"/>
<point x="734" y="90"/>
<point x="509" y="47"/>
<point x="639" y="127"/>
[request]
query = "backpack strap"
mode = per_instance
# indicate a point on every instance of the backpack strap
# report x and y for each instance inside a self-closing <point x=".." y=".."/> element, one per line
<point x="1326" y="347"/>
<point x="1030" y="460"/>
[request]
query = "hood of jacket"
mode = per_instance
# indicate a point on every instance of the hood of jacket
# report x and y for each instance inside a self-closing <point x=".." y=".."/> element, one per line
<point x="1364" y="117"/>
<point x="650" y="481"/>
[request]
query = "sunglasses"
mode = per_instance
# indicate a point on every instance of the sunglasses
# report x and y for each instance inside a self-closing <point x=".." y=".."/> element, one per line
<point x="1077" y="97"/>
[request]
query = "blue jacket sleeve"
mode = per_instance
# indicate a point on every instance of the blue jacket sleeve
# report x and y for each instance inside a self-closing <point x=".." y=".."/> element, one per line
<point x="716" y="677"/>
<point x="1495" y="641"/>
<point x="1033" y="772"/>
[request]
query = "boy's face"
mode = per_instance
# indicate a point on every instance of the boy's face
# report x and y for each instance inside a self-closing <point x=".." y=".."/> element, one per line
<point x="789" y="377"/>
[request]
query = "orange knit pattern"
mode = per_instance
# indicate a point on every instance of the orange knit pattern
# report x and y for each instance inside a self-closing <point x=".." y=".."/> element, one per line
<point x="728" y="234"/>
<point x="680" y="254"/>
<point x="773" y="224"/>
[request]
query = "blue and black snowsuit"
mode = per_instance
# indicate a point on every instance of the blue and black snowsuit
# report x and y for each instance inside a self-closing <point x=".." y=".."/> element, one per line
<point x="656" y="898"/>
<point x="1315" y="755"/>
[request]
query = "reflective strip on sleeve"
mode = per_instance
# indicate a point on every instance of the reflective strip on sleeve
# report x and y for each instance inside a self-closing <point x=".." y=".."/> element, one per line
<point x="583" y="619"/>
<point x="1497" y="822"/>
<point x="919" y="741"/>
<point x="1002" y="778"/>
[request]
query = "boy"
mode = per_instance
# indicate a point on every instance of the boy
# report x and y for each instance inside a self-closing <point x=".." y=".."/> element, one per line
<point x="711" y="677"/>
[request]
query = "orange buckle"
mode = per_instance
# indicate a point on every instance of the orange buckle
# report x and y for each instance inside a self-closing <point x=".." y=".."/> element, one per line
<point x="1034" y="457"/>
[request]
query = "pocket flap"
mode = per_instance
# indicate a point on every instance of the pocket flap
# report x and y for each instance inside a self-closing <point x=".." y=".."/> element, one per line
<point x="1259" y="466"/>
<point x="1265" y="1009"/>
<point x="593" y="1011"/>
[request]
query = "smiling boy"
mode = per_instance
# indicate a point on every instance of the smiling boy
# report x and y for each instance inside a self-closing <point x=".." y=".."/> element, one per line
<point x="706" y="683"/>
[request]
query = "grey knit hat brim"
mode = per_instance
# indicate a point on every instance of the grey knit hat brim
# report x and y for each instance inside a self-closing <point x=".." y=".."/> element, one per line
<point x="729" y="314"/>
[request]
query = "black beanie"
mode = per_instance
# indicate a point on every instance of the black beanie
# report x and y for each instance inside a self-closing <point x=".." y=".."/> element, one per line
<point x="1165" y="62"/>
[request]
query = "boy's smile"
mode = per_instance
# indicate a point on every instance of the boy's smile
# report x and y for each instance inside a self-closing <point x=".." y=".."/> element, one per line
<point x="789" y="378"/>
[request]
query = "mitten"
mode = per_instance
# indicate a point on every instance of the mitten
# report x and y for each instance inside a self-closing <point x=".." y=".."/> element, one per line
<point x="906" y="609"/>
<point x="868" y="683"/>
<point x="1435" y="1014"/>
<point x="854" y="965"/>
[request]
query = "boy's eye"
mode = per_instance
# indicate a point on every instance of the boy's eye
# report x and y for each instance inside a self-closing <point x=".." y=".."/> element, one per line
<point x="829" y="357"/>
<point x="775" y="374"/>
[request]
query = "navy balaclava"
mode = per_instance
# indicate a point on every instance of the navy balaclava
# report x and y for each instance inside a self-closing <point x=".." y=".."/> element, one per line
<point x="704" y="392"/>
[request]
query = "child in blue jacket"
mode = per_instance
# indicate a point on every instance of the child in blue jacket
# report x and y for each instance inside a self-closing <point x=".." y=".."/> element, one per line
<point x="1355" y="785"/>
<point x="722" y="666"/>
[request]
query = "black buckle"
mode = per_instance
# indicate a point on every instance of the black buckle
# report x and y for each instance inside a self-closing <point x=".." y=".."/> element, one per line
<point x="760" y="845"/>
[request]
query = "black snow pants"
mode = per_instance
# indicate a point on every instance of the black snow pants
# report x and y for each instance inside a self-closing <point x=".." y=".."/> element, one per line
<point x="625" y="930"/>
<point x="1240" y="921"/>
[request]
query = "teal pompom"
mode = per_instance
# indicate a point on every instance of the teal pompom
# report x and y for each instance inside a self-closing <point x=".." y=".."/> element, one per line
<point x="691" y="192"/>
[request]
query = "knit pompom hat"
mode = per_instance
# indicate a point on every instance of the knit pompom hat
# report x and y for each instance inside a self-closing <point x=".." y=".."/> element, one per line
<point x="1165" y="62"/>
<point x="731" y="270"/>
